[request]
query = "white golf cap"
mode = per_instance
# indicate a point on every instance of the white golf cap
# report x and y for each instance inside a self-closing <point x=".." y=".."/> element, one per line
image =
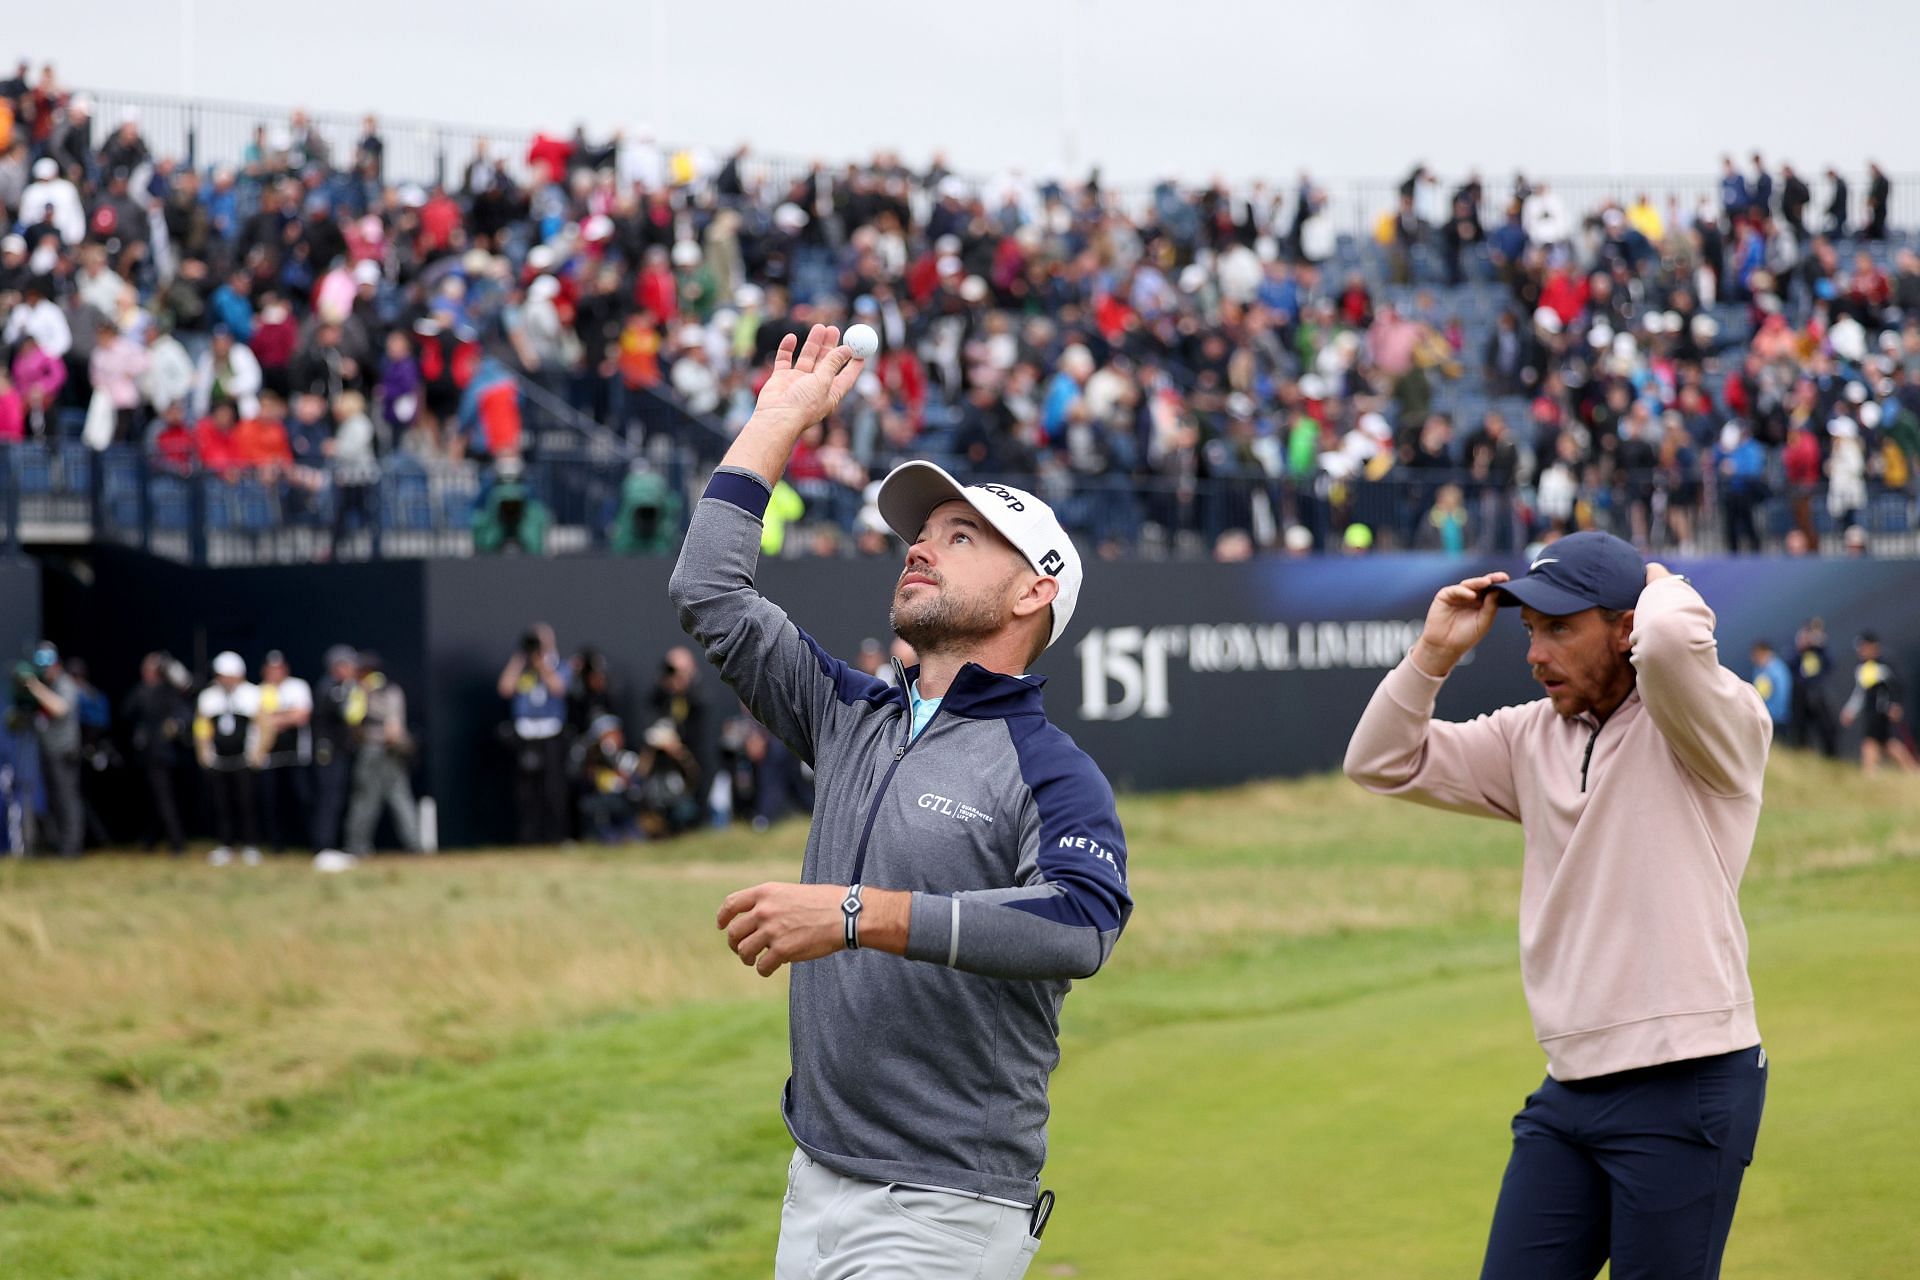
<point x="913" y="489"/>
<point x="230" y="664"/>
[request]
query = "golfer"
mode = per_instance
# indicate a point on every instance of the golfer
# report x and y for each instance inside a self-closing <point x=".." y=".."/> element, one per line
<point x="1636" y="782"/>
<point x="965" y="860"/>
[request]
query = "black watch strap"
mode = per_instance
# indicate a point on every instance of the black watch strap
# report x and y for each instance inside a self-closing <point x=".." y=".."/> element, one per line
<point x="850" y="908"/>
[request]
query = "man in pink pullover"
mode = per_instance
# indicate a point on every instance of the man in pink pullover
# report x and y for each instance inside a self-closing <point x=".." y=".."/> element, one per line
<point x="1636" y="782"/>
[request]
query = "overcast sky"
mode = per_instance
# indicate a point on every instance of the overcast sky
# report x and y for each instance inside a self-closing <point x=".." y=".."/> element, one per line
<point x="1147" y="88"/>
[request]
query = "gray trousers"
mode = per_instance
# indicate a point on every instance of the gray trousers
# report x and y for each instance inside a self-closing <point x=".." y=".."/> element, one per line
<point x="63" y="797"/>
<point x="379" y="778"/>
<point x="833" y="1227"/>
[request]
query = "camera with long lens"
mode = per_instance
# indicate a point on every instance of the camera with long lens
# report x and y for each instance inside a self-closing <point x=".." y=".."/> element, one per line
<point x="646" y="522"/>
<point x="22" y="706"/>
<point x="510" y="512"/>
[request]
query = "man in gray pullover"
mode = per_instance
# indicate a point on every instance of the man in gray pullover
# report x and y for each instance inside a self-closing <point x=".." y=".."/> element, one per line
<point x="965" y="861"/>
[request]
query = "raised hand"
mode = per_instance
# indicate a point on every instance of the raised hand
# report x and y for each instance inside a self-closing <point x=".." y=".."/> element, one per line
<point x="1458" y="619"/>
<point x="807" y="385"/>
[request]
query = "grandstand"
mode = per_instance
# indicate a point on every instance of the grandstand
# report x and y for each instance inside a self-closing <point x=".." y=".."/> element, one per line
<point x="624" y="294"/>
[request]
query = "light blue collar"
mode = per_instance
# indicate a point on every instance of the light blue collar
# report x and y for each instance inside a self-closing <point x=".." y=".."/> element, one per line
<point x="923" y="708"/>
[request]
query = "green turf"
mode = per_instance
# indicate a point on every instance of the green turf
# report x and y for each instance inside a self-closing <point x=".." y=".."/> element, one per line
<point x="1300" y="1063"/>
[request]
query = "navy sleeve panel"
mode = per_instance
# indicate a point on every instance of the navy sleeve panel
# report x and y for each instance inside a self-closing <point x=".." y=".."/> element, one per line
<point x="1082" y="848"/>
<point x="789" y="683"/>
<point x="746" y="491"/>
<point x="1071" y="901"/>
<point x="849" y="686"/>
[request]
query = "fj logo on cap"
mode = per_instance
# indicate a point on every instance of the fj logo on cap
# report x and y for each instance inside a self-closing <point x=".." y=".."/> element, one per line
<point x="1051" y="563"/>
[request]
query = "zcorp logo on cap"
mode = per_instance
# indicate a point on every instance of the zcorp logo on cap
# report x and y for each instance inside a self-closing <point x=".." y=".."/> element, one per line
<point x="1005" y="495"/>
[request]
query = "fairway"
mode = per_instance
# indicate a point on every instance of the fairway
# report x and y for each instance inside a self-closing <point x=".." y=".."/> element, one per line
<point x="1300" y="1062"/>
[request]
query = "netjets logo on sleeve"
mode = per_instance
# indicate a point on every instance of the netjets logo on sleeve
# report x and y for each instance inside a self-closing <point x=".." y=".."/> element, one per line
<point x="954" y="808"/>
<point x="1095" y="849"/>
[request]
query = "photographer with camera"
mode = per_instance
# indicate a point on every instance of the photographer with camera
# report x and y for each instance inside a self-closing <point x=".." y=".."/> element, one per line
<point x="383" y="764"/>
<point x="534" y="686"/>
<point x="590" y="695"/>
<point x="677" y="698"/>
<point x="649" y="520"/>
<point x="611" y="776"/>
<point x="99" y="756"/>
<point x="647" y="794"/>
<point x="282" y="749"/>
<point x="510" y="517"/>
<point x="159" y="719"/>
<point x="56" y="723"/>
<point x="672" y="782"/>
<point x="332" y="732"/>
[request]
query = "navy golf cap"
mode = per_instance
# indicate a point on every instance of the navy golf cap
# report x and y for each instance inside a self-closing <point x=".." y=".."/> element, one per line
<point x="1581" y="571"/>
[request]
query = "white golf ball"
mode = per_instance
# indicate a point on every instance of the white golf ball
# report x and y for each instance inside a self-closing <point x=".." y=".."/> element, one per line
<point x="863" y="340"/>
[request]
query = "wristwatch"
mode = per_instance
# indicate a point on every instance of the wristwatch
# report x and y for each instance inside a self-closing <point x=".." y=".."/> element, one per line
<point x="850" y="908"/>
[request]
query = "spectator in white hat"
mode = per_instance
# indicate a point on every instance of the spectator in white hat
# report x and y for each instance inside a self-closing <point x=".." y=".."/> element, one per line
<point x="36" y="317"/>
<point x="693" y="378"/>
<point x="227" y="370"/>
<point x="169" y="376"/>
<point x="51" y="192"/>
<point x="1846" y="473"/>
<point x="71" y="146"/>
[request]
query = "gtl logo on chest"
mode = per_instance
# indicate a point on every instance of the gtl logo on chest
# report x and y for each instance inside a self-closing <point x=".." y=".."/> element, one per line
<point x="954" y="808"/>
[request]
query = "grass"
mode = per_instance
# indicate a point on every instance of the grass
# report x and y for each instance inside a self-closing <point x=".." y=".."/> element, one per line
<point x="1300" y="1061"/>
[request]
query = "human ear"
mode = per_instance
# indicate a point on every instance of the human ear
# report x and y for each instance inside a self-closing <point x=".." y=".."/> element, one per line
<point x="1035" y="596"/>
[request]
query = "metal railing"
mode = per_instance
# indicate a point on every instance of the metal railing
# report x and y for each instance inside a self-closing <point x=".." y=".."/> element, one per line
<point x="68" y="493"/>
<point x="571" y="503"/>
<point x="206" y="133"/>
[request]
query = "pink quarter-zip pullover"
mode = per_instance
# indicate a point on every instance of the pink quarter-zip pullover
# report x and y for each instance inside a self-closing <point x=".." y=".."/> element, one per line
<point x="1632" y="950"/>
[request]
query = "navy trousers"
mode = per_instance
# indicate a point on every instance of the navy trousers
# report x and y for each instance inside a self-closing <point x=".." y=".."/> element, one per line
<point x="1641" y="1168"/>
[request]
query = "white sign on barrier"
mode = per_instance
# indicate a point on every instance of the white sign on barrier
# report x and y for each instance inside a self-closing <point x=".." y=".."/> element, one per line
<point x="1123" y="670"/>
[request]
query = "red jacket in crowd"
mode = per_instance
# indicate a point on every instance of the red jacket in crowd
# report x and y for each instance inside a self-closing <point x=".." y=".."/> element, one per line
<point x="659" y="293"/>
<point x="1564" y="295"/>
<point x="550" y="151"/>
<point x="1802" y="458"/>
<point x="215" y="446"/>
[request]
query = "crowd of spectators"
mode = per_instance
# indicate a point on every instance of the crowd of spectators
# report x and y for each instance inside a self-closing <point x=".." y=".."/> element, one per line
<point x="579" y="774"/>
<point x="290" y="317"/>
<point x="274" y="762"/>
<point x="1202" y="367"/>
<point x="1802" y="698"/>
<point x="267" y="762"/>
